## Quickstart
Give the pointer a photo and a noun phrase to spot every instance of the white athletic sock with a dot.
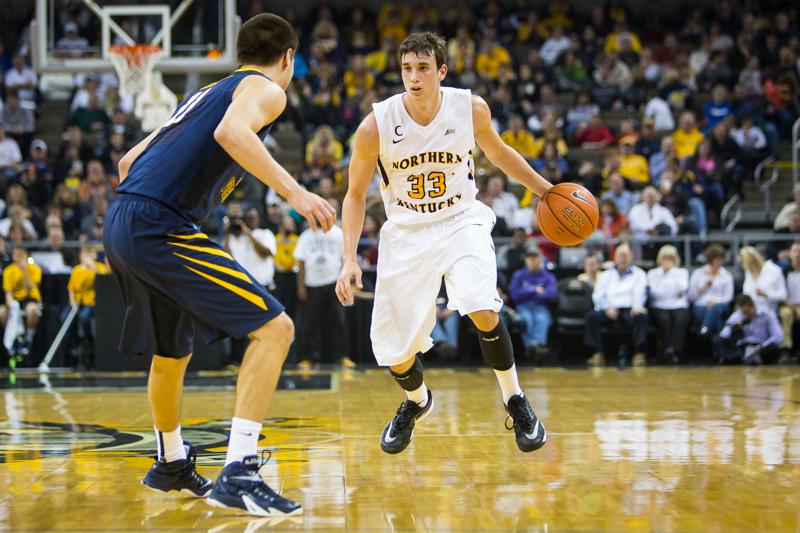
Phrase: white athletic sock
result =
(509, 384)
(419, 395)
(170, 445)
(243, 441)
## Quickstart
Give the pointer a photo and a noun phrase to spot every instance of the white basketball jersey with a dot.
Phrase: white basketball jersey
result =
(427, 171)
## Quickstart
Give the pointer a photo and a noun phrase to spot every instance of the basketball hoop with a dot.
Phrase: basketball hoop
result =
(134, 64)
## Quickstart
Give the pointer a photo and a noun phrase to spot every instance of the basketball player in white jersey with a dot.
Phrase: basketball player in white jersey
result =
(421, 142)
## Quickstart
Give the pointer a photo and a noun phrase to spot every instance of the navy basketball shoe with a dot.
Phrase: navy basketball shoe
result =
(529, 430)
(240, 486)
(398, 432)
(180, 475)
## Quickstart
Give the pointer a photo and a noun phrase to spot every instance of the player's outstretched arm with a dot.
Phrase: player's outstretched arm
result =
(363, 161)
(258, 101)
(499, 153)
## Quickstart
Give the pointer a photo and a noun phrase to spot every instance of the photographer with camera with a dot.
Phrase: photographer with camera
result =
(253, 247)
(750, 335)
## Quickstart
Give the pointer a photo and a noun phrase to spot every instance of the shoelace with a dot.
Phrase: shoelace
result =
(260, 487)
(403, 418)
(518, 415)
(191, 460)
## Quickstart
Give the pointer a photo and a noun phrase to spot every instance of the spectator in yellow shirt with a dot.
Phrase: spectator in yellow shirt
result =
(357, 79)
(519, 138)
(687, 136)
(490, 58)
(621, 40)
(286, 265)
(633, 167)
(82, 293)
(323, 149)
(21, 281)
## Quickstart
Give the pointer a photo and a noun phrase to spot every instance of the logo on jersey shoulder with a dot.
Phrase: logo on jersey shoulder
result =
(444, 158)
(577, 195)
(449, 131)
(430, 207)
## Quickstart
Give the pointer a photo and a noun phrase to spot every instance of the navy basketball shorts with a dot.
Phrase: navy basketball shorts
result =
(173, 276)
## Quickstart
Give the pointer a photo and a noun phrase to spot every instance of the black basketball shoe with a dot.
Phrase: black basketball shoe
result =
(530, 431)
(398, 432)
(240, 486)
(180, 475)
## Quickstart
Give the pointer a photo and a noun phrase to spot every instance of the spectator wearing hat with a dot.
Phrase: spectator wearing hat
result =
(22, 80)
(71, 44)
(632, 166)
(19, 122)
(532, 290)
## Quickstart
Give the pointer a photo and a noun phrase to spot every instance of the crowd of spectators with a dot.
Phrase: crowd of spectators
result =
(663, 117)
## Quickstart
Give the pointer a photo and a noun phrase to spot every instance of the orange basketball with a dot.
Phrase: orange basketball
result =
(567, 214)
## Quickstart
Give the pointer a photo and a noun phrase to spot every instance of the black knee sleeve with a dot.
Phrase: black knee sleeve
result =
(496, 347)
(411, 379)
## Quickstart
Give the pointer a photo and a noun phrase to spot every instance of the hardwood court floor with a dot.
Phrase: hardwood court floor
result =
(657, 449)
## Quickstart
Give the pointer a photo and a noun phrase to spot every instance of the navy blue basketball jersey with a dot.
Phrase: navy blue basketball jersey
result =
(183, 166)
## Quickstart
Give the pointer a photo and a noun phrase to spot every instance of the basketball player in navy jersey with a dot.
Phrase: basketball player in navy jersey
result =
(172, 275)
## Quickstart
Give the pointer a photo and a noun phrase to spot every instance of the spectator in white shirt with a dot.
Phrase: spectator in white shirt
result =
(252, 246)
(319, 257)
(711, 292)
(554, 45)
(749, 137)
(648, 217)
(658, 109)
(619, 298)
(503, 203)
(669, 306)
(790, 313)
(22, 79)
(763, 280)
(10, 156)
(782, 220)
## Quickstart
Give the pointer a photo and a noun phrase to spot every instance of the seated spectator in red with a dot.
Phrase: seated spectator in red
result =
(593, 135)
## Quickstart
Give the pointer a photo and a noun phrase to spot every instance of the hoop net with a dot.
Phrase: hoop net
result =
(134, 65)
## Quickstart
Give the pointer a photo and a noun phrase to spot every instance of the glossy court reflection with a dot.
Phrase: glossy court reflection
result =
(643, 450)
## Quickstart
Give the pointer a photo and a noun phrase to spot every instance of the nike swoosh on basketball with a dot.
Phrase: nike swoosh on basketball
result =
(576, 194)
(395, 141)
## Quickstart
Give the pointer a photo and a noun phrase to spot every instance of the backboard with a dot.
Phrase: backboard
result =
(197, 36)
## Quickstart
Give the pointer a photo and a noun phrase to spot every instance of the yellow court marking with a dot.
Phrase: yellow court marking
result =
(247, 295)
(219, 268)
(206, 249)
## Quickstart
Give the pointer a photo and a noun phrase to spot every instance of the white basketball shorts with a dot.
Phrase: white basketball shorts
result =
(411, 264)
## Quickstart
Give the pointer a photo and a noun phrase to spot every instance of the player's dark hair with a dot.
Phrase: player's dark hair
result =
(263, 40)
(744, 300)
(422, 44)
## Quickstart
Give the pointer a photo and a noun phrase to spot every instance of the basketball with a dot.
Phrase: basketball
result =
(567, 214)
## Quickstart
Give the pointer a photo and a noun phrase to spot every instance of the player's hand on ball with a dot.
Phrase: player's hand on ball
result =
(351, 272)
(316, 210)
